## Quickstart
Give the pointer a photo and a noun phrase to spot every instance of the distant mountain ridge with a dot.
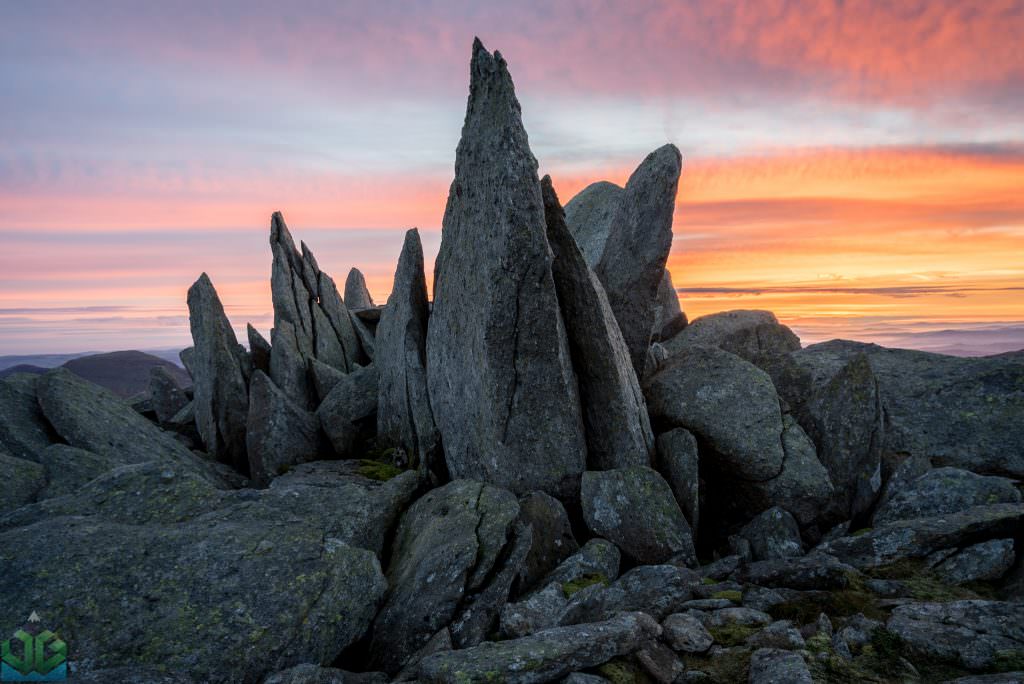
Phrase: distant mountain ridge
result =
(125, 373)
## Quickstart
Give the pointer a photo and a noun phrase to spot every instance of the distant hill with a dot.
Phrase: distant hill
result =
(125, 373)
(22, 368)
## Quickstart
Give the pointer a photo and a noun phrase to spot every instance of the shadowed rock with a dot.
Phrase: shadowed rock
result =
(289, 368)
(744, 333)
(279, 433)
(166, 396)
(679, 463)
(943, 491)
(498, 367)
(68, 469)
(22, 480)
(618, 429)
(589, 216)
(633, 262)
(348, 412)
(404, 418)
(221, 397)
(259, 349)
(669, 318)
(553, 540)
(357, 295)
(24, 432)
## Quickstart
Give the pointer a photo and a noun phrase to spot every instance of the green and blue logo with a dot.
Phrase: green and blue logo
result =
(33, 657)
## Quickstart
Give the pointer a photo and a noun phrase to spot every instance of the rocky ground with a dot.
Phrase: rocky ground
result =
(544, 474)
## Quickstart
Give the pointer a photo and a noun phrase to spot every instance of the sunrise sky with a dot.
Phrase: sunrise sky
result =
(856, 167)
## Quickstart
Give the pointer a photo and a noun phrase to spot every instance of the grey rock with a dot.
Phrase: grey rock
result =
(357, 295)
(279, 434)
(553, 540)
(943, 491)
(68, 468)
(899, 476)
(221, 396)
(814, 571)
(439, 643)
(366, 337)
(773, 534)
(721, 568)
(324, 378)
(685, 633)
(259, 349)
(348, 411)
(446, 546)
(22, 481)
(598, 557)
(544, 656)
(660, 662)
(188, 360)
(747, 334)
(678, 462)
(289, 366)
(582, 678)
(708, 604)
(669, 319)
(150, 674)
(540, 611)
(986, 561)
(404, 418)
(1000, 678)
(657, 590)
(499, 372)
(618, 430)
(634, 508)
(166, 396)
(775, 666)
(342, 321)
(972, 634)
(24, 431)
(737, 615)
(780, 634)
(920, 537)
(590, 215)
(634, 256)
(308, 673)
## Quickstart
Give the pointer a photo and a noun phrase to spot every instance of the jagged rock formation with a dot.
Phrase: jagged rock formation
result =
(498, 367)
(669, 318)
(357, 295)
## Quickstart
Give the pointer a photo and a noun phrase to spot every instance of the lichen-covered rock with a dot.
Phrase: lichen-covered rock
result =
(499, 372)
(542, 657)
(24, 431)
(777, 666)
(444, 551)
(541, 610)
(221, 395)
(987, 561)
(553, 540)
(747, 334)
(404, 418)
(814, 571)
(279, 434)
(678, 462)
(349, 410)
(943, 491)
(635, 509)
(618, 429)
(657, 590)
(21, 482)
(68, 468)
(686, 633)
(773, 534)
(976, 635)
(598, 558)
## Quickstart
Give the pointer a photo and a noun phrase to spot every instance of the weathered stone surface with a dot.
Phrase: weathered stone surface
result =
(314, 674)
(678, 462)
(635, 509)
(814, 571)
(597, 558)
(324, 378)
(541, 610)
(669, 319)
(221, 397)
(259, 349)
(21, 482)
(342, 321)
(446, 545)
(773, 534)
(276, 574)
(91, 418)
(657, 590)
(747, 334)
(404, 418)
(589, 216)
(68, 468)
(499, 372)
(289, 366)
(685, 633)
(919, 537)
(349, 409)
(544, 656)
(24, 431)
(780, 634)
(279, 434)
(357, 295)
(986, 561)
(776, 666)
(553, 540)
(618, 430)
(634, 256)
(166, 396)
(659, 662)
(943, 491)
(972, 634)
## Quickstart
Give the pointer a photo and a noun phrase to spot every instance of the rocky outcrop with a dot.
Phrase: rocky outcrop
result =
(944, 491)
(221, 395)
(499, 372)
(166, 396)
(357, 295)
(633, 261)
(747, 334)
(24, 431)
(279, 434)
(775, 666)
(21, 483)
(590, 216)
(349, 411)
(68, 468)
(259, 349)
(773, 534)
(404, 418)
(669, 318)
(618, 429)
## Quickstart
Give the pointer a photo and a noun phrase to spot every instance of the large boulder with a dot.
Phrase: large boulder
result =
(773, 534)
(658, 590)
(590, 215)
(68, 468)
(778, 666)
(977, 635)
(618, 429)
(633, 261)
(221, 395)
(987, 561)
(444, 552)
(24, 431)
(598, 558)
(499, 372)
(21, 482)
(943, 491)
(553, 540)
(349, 411)
(404, 418)
(279, 434)
(635, 508)
(746, 333)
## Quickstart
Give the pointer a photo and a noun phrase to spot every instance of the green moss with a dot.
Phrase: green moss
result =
(621, 671)
(732, 634)
(819, 643)
(1009, 661)
(861, 532)
(377, 470)
(924, 585)
(726, 667)
(732, 595)
(708, 581)
(570, 588)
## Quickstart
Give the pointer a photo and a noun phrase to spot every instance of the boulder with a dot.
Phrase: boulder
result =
(289, 366)
(634, 508)
(633, 261)
(348, 412)
(987, 561)
(685, 633)
(780, 634)
(542, 610)
(747, 334)
(618, 430)
(943, 491)
(657, 590)
(669, 319)
(976, 635)
(22, 480)
(24, 432)
(542, 657)
(279, 434)
(357, 295)
(590, 215)
(499, 372)
(404, 418)
(659, 662)
(221, 396)
(773, 534)
(68, 468)
(324, 378)
(598, 559)
(678, 462)
(817, 571)
(553, 540)
(446, 547)
(166, 396)
(777, 666)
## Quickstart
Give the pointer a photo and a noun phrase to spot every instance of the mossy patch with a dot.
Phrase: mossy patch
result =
(733, 595)
(377, 470)
(708, 581)
(732, 634)
(588, 580)
(882, 661)
(923, 584)
(1009, 661)
(727, 667)
(842, 603)
(622, 671)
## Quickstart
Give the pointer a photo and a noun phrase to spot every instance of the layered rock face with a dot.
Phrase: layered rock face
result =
(487, 490)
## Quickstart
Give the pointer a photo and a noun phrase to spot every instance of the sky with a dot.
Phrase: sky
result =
(857, 167)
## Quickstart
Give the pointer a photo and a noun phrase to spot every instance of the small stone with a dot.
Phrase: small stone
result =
(685, 633)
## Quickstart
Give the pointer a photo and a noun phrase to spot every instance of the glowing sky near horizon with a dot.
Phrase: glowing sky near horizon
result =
(856, 167)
